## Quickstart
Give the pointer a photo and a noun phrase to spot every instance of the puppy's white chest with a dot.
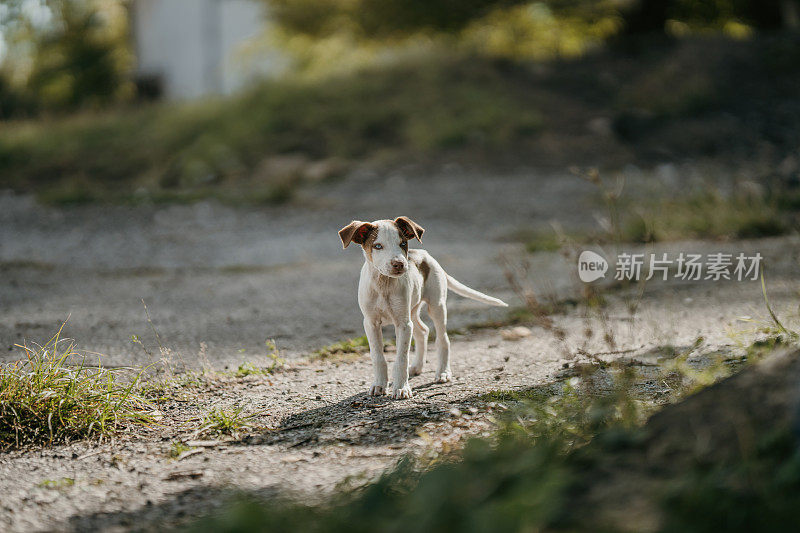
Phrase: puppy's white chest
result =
(384, 298)
(386, 302)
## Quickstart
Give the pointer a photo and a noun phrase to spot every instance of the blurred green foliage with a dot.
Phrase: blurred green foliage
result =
(701, 97)
(317, 32)
(185, 151)
(385, 19)
(709, 215)
(380, 18)
(62, 55)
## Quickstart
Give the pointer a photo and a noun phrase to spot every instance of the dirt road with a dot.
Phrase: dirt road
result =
(232, 278)
(317, 428)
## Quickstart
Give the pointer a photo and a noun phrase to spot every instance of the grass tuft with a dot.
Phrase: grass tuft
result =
(276, 362)
(177, 449)
(342, 349)
(220, 421)
(52, 396)
(57, 484)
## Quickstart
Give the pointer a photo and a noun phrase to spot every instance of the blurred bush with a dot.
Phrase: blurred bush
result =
(62, 55)
(324, 35)
(386, 19)
(253, 142)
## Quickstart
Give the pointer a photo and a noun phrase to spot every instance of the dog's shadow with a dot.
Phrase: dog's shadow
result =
(360, 419)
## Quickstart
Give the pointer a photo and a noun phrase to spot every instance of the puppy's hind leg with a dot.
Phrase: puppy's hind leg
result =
(438, 313)
(420, 342)
(375, 338)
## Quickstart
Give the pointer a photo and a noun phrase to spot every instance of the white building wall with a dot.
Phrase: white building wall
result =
(200, 47)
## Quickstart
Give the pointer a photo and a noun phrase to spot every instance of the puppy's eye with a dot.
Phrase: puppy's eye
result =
(403, 244)
(378, 247)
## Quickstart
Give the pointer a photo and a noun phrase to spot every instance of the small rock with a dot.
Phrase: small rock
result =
(204, 443)
(323, 170)
(600, 126)
(175, 476)
(789, 166)
(516, 333)
(189, 453)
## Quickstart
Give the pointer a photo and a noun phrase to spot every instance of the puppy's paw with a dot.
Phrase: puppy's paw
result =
(377, 389)
(444, 377)
(402, 392)
(414, 370)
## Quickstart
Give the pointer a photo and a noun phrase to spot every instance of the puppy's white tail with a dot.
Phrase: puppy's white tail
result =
(459, 288)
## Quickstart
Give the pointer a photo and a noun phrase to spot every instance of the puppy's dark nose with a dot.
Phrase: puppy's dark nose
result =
(397, 265)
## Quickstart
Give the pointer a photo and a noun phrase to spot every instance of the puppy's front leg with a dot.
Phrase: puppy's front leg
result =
(400, 387)
(375, 338)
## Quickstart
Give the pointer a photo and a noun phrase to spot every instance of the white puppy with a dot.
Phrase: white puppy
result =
(394, 283)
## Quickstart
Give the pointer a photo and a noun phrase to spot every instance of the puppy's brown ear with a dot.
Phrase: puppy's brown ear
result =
(356, 232)
(409, 229)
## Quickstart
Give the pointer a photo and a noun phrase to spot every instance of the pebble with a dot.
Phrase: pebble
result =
(515, 333)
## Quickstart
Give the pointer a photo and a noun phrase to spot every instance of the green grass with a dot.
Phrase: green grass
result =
(249, 369)
(342, 349)
(177, 448)
(538, 241)
(57, 484)
(218, 147)
(52, 396)
(276, 362)
(706, 215)
(222, 421)
(536, 394)
(758, 493)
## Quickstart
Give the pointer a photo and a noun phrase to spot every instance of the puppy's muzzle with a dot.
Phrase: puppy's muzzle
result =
(398, 266)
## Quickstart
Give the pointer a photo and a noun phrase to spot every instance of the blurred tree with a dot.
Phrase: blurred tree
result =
(378, 19)
(78, 63)
(63, 55)
(381, 19)
(648, 16)
(323, 35)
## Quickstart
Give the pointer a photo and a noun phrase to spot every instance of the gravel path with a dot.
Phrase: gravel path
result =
(316, 429)
(232, 278)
